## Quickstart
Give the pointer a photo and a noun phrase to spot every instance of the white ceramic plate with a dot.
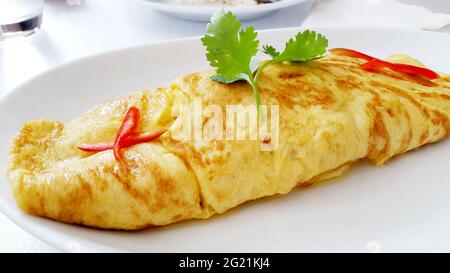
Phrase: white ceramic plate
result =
(204, 13)
(403, 206)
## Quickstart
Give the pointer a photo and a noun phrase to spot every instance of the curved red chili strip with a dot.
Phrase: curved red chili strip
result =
(133, 139)
(128, 125)
(351, 53)
(143, 137)
(374, 64)
(125, 137)
(415, 70)
(97, 147)
(377, 65)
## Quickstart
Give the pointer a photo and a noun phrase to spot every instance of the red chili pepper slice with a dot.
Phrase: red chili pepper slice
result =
(351, 53)
(377, 65)
(374, 64)
(132, 140)
(128, 125)
(97, 147)
(125, 137)
(415, 70)
(143, 137)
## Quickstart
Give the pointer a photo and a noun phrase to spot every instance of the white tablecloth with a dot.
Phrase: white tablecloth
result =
(70, 32)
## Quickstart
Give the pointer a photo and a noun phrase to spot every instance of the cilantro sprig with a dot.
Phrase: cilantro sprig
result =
(305, 46)
(232, 50)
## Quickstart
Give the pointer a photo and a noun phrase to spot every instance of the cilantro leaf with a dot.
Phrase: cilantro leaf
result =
(229, 49)
(271, 51)
(306, 46)
(224, 79)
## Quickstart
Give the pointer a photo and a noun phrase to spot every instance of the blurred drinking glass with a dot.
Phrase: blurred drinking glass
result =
(20, 18)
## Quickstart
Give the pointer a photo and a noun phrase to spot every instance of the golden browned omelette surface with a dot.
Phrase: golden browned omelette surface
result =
(332, 113)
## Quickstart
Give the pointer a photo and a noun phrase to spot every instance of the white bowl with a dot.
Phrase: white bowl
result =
(204, 13)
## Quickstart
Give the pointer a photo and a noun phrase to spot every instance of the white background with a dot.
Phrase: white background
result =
(70, 32)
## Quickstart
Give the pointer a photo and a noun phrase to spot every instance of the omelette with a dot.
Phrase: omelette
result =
(332, 113)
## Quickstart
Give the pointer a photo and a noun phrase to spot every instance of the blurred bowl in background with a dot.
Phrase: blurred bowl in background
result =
(20, 18)
(203, 13)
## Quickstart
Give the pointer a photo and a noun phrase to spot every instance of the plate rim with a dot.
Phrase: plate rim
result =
(32, 228)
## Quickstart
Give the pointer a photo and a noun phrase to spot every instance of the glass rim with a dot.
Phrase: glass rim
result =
(37, 10)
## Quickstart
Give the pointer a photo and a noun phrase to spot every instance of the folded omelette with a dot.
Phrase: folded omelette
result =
(331, 114)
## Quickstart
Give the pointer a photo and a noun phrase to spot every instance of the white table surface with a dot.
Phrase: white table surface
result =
(71, 31)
